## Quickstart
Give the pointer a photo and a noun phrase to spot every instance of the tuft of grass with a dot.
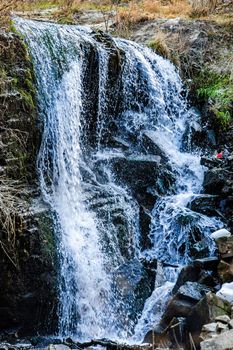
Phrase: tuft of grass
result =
(158, 44)
(218, 90)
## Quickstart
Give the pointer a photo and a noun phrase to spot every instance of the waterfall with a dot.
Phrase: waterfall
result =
(115, 170)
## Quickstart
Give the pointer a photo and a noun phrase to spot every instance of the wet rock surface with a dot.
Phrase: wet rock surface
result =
(27, 248)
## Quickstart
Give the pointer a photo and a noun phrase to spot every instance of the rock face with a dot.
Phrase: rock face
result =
(214, 180)
(134, 284)
(205, 312)
(28, 295)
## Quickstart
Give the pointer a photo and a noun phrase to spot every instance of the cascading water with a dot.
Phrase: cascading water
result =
(114, 122)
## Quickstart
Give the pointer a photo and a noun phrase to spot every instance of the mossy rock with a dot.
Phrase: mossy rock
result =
(218, 90)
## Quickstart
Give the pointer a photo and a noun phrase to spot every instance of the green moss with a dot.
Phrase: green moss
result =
(46, 225)
(217, 89)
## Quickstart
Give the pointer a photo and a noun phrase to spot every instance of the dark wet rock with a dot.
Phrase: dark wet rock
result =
(177, 308)
(145, 222)
(207, 205)
(211, 162)
(209, 278)
(139, 172)
(169, 335)
(134, 286)
(183, 302)
(145, 176)
(209, 263)
(90, 78)
(201, 249)
(215, 180)
(28, 295)
(188, 273)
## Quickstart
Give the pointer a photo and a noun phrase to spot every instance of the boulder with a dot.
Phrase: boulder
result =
(201, 248)
(214, 180)
(208, 278)
(188, 273)
(205, 204)
(144, 174)
(210, 327)
(222, 327)
(222, 341)
(137, 171)
(177, 308)
(183, 301)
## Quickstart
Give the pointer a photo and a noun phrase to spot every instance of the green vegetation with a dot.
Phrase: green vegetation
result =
(218, 90)
(158, 44)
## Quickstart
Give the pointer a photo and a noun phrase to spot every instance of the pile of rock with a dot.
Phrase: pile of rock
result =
(218, 335)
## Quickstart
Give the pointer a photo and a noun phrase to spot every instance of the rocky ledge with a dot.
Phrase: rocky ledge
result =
(27, 246)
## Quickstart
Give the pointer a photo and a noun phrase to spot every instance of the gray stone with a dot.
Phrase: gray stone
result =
(210, 327)
(221, 342)
(207, 335)
(223, 318)
(231, 324)
(58, 347)
(222, 327)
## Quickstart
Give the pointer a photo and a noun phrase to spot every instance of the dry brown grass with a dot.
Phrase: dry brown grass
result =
(11, 193)
(128, 12)
(169, 9)
(132, 14)
(138, 12)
